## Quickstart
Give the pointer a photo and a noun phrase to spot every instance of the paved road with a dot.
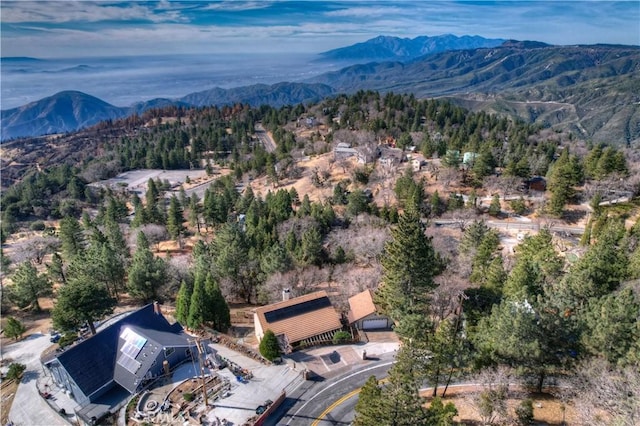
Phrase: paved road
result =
(310, 400)
(524, 226)
(263, 136)
(28, 408)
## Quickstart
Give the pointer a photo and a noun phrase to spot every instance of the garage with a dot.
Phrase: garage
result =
(370, 324)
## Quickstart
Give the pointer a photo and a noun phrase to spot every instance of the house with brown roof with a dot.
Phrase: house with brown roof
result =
(310, 318)
(363, 313)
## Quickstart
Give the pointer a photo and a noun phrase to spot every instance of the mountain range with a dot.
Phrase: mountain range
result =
(387, 48)
(592, 90)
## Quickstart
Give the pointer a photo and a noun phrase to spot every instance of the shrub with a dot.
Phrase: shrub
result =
(67, 339)
(361, 175)
(518, 206)
(341, 337)
(269, 346)
(524, 412)
(38, 225)
(188, 396)
(15, 371)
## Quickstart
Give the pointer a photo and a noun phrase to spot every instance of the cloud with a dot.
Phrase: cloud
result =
(234, 6)
(98, 28)
(84, 11)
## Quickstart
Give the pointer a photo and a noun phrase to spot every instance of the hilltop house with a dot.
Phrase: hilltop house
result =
(363, 313)
(310, 318)
(344, 150)
(101, 372)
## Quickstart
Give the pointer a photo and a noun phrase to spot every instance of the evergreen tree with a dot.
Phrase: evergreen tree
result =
(175, 219)
(147, 273)
(28, 286)
(183, 300)
(81, 301)
(311, 247)
(409, 265)
(269, 346)
(440, 414)
(369, 405)
(563, 176)
(305, 207)
(71, 236)
(402, 403)
(275, 259)
(152, 208)
(116, 240)
(13, 329)
(357, 202)
(612, 325)
(195, 211)
(524, 335)
(494, 207)
(55, 269)
(197, 304)
(216, 309)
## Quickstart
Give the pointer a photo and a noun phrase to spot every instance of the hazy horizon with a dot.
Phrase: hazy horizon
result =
(123, 81)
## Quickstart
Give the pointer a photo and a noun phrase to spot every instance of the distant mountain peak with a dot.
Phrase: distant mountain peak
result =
(62, 112)
(525, 44)
(389, 48)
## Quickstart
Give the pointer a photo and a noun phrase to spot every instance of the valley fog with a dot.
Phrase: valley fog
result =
(122, 81)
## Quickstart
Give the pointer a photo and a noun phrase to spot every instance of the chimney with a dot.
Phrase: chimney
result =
(286, 294)
(156, 308)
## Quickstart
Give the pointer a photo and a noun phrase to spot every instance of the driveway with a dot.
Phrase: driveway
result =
(28, 407)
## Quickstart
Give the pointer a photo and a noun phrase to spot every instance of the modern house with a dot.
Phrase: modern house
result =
(363, 313)
(101, 372)
(310, 318)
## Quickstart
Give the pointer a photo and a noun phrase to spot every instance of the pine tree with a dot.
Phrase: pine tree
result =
(409, 265)
(402, 403)
(28, 286)
(13, 328)
(197, 303)
(369, 405)
(175, 219)
(612, 325)
(183, 300)
(494, 207)
(311, 247)
(55, 269)
(147, 273)
(71, 237)
(216, 309)
(116, 239)
(81, 301)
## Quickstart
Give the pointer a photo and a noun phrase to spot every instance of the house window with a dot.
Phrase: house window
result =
(168, 351)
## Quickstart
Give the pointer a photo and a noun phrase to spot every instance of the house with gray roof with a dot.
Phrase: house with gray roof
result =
(101, 372)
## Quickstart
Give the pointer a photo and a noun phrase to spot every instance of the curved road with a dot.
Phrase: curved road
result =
(316, 399)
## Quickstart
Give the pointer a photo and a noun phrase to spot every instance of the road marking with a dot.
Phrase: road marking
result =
(330, 408)
(335, 383)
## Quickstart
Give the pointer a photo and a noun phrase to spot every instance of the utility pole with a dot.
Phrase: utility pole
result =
(201, 362)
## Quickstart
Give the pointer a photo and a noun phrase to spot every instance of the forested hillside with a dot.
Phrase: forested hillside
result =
(403, 196)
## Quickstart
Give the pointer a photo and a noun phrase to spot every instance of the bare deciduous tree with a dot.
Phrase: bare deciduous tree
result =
(603, 394)
(364, 241)
(490, 401)
(154, 233)
(34, 249)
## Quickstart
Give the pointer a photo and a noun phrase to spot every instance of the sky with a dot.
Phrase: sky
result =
(69, 28)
